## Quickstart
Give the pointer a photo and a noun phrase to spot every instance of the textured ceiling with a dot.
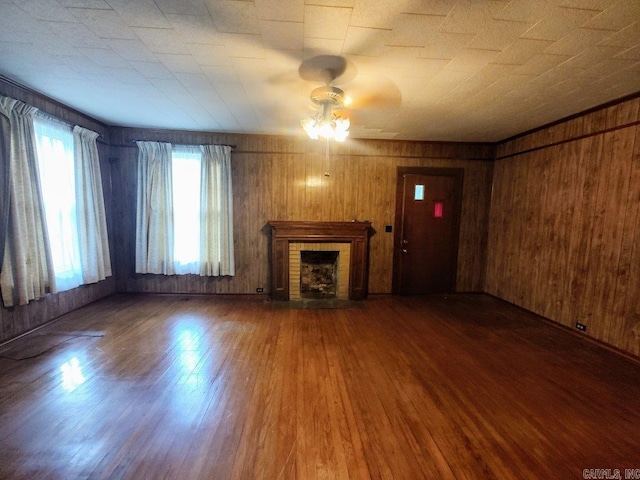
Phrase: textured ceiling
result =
(467, 70)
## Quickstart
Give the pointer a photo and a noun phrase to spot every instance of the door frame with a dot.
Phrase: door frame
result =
(458, 175)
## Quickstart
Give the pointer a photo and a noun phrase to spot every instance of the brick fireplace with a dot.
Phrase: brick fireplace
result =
(349, 239)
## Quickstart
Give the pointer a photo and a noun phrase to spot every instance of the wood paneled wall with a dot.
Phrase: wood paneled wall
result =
(564, 234)
(290, 178)
(20, 319)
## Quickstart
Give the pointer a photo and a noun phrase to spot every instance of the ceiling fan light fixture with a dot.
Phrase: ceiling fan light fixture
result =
(326, 124)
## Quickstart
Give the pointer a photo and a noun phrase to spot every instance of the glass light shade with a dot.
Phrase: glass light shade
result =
(309, 126)
(342, 129)
(329, 127)
(326, 130)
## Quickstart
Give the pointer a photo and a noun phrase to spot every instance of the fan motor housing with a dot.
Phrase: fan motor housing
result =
(327, 95)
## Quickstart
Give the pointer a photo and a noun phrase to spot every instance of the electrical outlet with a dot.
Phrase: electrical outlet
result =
(581, 326)
(259, 290)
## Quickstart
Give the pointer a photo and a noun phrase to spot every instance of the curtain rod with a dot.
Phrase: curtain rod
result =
(233, 147)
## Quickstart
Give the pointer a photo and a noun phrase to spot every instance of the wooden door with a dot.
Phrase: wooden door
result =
(427, 225)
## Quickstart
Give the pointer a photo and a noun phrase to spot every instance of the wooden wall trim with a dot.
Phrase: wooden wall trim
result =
(622, 113)
(572, 139)
(238, 151)
(583, 113)
(278, 145)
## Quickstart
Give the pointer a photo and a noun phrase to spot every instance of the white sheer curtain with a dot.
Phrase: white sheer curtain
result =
(27, 269)
(5, 178)
(55, 149)
(92, 224)
(216, 231)
(154, 219)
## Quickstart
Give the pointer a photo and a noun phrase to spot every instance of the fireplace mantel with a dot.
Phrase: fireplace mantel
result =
(355, 233)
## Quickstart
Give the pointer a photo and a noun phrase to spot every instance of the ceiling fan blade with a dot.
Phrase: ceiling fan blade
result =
(373, 93)
(287, 78)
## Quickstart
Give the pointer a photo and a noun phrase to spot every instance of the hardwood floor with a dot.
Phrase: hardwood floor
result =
(465, 386)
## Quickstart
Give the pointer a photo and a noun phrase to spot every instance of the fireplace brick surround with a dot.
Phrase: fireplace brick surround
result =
(308, 235)
(295, 248)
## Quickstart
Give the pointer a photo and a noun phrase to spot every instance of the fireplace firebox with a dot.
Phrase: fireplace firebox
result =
(318, 273)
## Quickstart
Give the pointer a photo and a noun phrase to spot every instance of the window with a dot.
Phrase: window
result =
(55, 152)
(58, 240)
(184, 211)
(185, 170)
(71, 188)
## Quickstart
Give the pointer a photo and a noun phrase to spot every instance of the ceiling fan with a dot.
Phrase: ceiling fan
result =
(328, 122)
(332, 121)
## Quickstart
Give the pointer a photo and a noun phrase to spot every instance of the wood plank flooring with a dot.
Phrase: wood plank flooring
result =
(455, 387)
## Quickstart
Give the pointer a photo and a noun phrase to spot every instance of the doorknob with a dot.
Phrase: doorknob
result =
(405, 251)
(405, 242)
